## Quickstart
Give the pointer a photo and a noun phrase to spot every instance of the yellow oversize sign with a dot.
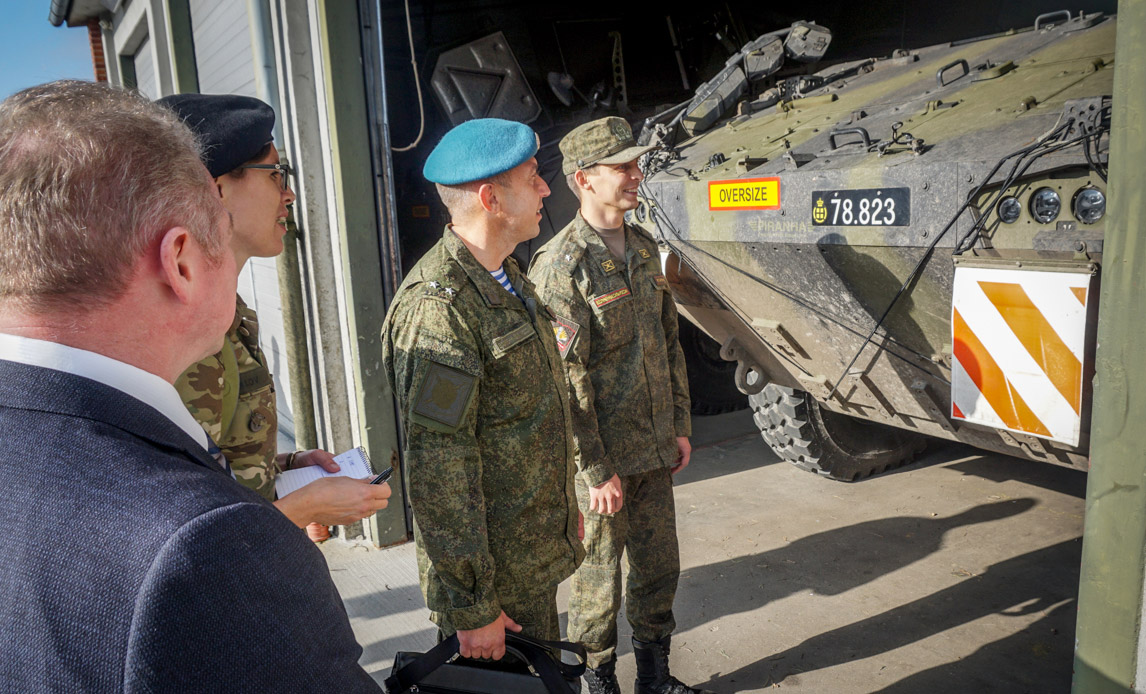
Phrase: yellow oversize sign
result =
(744, 194)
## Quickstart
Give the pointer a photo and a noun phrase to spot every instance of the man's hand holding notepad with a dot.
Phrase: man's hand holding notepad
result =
(353, 463)
(311, 494)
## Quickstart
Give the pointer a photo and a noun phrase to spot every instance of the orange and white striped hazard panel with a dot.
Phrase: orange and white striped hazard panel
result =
(1019, 338)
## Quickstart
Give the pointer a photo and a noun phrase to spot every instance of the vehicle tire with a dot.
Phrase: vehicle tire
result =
(834, 445)
(711, 380)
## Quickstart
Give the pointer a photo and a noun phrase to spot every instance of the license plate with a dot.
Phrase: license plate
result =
(866, 207)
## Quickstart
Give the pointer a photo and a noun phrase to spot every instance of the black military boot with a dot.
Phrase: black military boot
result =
(603, 679)
(653, 670)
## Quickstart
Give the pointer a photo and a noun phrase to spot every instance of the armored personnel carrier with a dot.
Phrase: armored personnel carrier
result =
(898, 248)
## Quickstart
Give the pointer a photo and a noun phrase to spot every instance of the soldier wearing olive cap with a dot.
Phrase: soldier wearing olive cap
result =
(616, 327)
(472, 359)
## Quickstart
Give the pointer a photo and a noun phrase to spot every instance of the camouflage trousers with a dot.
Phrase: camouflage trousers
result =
(645, 529)
(536, 613)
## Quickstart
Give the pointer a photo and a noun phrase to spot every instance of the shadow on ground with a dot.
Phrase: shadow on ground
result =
(385, 602)
(1015, 587)
(835, 561)
(388, 602)
(1007, 665)
(1055, 478)
(734, 445)
(725, 445)
(383, 651)
(969, 460)
(826, 563)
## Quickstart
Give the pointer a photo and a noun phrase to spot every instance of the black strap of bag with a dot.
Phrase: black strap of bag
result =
(535, 653)
(542, 652)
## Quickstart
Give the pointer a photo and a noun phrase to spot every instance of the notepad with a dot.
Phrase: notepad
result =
(353, 463)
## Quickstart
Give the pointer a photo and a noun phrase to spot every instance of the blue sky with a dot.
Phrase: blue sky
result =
(32, 51)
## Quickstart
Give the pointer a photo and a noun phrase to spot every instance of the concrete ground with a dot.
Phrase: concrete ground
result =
(956, 574)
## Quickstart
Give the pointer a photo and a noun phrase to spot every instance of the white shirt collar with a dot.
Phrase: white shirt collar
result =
(131, 380)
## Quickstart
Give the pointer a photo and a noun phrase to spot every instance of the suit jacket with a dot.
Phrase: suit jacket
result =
(130, 561)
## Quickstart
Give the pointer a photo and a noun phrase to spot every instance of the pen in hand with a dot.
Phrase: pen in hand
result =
(382, 476)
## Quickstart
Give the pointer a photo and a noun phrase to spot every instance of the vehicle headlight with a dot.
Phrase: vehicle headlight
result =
(1045, 205)
(1089, 205)
(1009, 209)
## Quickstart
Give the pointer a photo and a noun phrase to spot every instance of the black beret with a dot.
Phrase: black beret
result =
(233, 129)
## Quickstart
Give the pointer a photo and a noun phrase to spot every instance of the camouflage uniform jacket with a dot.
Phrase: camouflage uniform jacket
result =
(488, 439)
(231, 394)
(616, 327)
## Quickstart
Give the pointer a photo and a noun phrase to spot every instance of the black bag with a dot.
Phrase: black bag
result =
(529, 667)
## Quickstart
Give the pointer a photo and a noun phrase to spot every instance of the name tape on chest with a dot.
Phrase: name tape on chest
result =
(513, 338)
(255, 379)
(606, 299)
(661, 282)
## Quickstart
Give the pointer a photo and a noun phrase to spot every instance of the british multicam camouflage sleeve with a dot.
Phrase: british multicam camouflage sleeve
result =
(201, 388)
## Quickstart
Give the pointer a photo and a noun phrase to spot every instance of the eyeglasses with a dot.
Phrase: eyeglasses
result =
(282, 172)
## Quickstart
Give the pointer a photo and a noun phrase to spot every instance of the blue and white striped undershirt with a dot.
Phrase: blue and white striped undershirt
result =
(499, 275)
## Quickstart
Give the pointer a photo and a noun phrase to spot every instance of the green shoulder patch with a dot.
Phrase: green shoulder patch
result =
(443, 397)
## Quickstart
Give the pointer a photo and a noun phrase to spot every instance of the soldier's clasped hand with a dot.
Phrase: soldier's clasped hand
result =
(488, 641)
(607, 497)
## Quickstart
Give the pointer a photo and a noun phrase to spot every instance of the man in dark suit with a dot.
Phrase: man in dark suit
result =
(130, 558)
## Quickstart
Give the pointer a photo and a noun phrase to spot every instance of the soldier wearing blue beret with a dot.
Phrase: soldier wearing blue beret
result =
(231, 393)
(471, 356)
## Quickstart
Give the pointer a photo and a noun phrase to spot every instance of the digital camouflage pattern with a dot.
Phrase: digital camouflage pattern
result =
(621, 351)
(488, 440)
(232, 396)
(646, 526)
(617, 326)
(537, 613)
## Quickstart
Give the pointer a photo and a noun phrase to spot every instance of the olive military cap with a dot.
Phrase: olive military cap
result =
(603, 141)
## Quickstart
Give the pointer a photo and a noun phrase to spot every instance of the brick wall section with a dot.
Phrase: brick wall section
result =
(95, 38)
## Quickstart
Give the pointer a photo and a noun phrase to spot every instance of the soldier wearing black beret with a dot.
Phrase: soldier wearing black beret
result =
(231, 393)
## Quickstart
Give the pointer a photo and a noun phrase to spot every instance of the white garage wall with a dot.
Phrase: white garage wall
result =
(222, 37)
(145, 74)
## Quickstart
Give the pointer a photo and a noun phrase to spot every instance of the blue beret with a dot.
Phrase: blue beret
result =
(232, 129)
(478, 149)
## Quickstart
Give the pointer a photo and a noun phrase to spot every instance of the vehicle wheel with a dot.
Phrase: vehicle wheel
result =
(834, 445)
(711, 380)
